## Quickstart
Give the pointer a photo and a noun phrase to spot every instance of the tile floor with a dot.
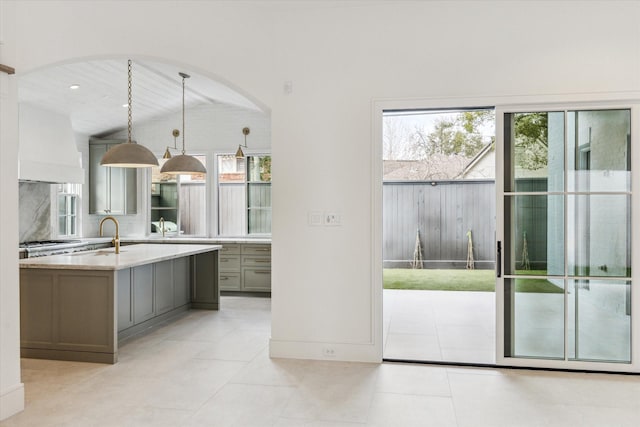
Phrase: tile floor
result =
(460, 326)
(212, 369)
(439, 326)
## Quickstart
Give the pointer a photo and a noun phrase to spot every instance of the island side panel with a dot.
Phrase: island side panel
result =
(36, 308)
(68, 315)
(205, 293)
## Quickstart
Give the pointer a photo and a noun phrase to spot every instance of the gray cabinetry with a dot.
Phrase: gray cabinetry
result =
(125, 297)
(205, 292)
(67, 315)
(181, 290)
(164, 204)
(78, 314)
(143, 298)
(229, 262)
(245, 267)
(111, 190)
(163, 280)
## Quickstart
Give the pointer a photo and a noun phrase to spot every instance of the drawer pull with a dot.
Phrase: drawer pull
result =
(262, 260)
(262, 271)
(224, 278)
(263, 250)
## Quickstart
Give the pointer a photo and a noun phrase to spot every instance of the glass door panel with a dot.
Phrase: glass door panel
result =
(599, 235)
(567, 235)
(599, 321)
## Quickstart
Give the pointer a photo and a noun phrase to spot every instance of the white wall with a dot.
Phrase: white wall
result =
(11, 387)
(339, 58)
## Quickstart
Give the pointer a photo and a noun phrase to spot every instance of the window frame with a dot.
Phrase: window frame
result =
(246, 184)
(72, 195)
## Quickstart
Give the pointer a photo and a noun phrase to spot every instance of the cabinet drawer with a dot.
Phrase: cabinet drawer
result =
(229, 281)
(257, 279)
(264, 250)
(231, 249)
(229, 262)
(256, 261)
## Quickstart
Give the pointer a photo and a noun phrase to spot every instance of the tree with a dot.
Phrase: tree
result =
(395, 139)
(458, 134)
(531, 140)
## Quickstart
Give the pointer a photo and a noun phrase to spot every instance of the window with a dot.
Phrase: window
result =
(439, 145)
(178, 202)
(244, 195)
(68, 195)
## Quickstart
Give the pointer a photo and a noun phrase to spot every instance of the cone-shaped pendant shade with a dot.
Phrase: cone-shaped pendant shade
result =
(183, 164)
(239, 153)
(167, 154)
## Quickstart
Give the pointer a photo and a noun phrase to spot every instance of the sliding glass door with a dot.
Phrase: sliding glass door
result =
(565, 238)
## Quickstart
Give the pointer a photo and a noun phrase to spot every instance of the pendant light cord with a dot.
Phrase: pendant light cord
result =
(129, 101)
(183, 77)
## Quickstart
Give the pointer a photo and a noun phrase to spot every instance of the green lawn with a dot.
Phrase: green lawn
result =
(458, 280)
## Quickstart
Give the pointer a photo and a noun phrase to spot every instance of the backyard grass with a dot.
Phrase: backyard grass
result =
(457, 280)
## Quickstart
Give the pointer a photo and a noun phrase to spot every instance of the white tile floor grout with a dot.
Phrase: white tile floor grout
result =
(212, 369)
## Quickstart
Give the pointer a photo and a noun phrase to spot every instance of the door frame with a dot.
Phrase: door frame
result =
(501, 360)
(502, 104)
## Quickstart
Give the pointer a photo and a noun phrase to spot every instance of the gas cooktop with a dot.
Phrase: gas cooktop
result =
(40, 243)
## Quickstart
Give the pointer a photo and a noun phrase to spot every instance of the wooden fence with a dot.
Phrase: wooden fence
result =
(443, 212)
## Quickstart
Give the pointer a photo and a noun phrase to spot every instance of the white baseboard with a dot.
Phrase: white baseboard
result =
(11, 401)
(324, 351)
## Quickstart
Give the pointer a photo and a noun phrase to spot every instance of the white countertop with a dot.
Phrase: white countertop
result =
(198, 240)
(107, 259)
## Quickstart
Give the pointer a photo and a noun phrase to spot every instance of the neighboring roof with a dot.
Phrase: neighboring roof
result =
(489, 148)
(437, 167)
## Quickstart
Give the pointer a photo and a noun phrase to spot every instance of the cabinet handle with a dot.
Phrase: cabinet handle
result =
(262, 260)
(262, 250)
(224, 278)
(262, 271)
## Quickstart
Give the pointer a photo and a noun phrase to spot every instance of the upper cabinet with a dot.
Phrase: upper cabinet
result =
(112, 191)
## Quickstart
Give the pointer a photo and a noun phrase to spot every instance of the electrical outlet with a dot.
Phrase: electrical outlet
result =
(328, 352)
(331, 218)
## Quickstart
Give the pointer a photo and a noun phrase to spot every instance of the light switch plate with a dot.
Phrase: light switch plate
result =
(316, 218)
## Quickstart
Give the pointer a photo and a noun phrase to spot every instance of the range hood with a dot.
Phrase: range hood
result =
(47, 147)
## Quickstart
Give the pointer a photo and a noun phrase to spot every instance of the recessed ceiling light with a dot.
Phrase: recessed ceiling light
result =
(74, 87)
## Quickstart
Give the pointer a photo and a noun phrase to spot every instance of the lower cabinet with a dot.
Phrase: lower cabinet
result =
(182, 281)
(205, 292)
(163, 279)
(125, 296)
(143, 301)
(245, 267)
(150, 290)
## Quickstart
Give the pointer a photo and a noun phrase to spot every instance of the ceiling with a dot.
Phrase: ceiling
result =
(96, 107)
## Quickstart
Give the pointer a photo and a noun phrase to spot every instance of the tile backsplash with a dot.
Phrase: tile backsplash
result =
(35, 211)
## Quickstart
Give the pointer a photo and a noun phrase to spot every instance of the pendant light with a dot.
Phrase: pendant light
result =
(182, 163)
(239, 153)
(129, 154)
(167, 152)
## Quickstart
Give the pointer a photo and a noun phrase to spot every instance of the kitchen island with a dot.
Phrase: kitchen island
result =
(77, 306)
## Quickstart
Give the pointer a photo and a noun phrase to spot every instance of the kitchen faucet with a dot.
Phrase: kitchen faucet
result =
(162, 226)
(116, 239)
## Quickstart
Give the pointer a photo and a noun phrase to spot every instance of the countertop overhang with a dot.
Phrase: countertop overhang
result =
(107, 259)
